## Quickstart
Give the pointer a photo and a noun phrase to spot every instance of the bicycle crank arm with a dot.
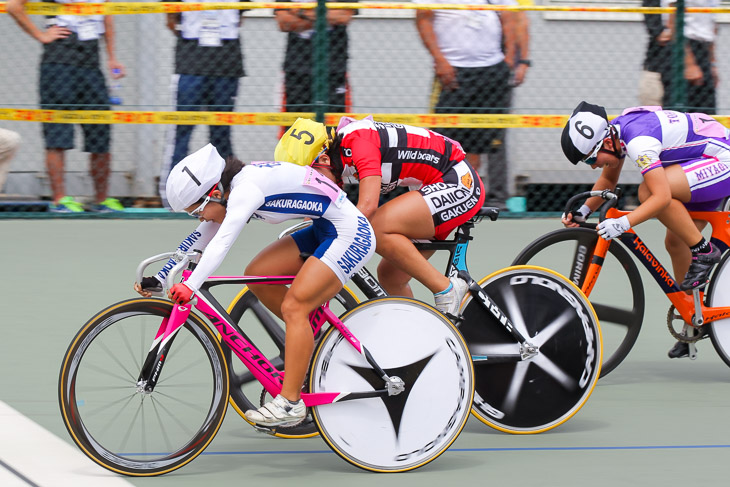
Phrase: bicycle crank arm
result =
(349, 396)
(697, 320)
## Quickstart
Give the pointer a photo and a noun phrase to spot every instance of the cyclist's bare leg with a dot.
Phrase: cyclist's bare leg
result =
(675, 216)
(280, 258)
(394, 280)
(679, 252)
(315, 284)
(396, 223)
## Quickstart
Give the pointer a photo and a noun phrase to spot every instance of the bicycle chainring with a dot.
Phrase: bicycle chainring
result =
(700, 332)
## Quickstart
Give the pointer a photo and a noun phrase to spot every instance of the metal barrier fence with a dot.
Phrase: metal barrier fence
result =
(583, 50)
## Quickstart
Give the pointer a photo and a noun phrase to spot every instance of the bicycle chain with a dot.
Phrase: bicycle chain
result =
(671, 316)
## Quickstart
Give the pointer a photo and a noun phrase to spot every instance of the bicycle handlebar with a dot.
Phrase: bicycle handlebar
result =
(611, 198)
(182, 259)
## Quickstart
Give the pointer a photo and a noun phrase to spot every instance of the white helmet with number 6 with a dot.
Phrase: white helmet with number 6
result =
(584, 133)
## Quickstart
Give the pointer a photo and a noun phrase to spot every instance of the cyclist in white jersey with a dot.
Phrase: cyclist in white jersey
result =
(225, 195)
(684, 159)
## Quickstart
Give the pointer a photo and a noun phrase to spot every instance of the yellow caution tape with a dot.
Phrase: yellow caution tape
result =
(286, 118)
(128, 8)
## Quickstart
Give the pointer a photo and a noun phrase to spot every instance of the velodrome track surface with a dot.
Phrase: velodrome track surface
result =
(652, 421)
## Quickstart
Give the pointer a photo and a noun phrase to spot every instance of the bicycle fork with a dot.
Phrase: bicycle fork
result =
(152, 367)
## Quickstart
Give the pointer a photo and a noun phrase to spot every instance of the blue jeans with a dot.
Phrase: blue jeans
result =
(199, 93)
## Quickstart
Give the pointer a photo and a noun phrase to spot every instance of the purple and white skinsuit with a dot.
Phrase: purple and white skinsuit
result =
(652, 138)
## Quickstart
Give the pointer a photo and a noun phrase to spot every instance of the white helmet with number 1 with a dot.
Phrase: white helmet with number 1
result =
(193, 177)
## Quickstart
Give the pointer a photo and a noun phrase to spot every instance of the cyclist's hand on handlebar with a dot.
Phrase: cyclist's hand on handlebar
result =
(180, 293)
(576, 217)
(148, 286)
(613, 227)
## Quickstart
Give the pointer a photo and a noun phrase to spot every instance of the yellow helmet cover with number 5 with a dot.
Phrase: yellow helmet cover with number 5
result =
(302, 143)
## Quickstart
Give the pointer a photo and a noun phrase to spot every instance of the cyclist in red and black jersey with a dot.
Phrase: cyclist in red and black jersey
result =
(445, 192)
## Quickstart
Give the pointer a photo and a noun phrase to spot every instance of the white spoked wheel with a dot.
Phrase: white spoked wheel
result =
(718, 295)
(414, 342)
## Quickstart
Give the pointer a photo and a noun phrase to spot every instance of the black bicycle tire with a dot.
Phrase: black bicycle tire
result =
(454, 423)
(69, 408)
(632, 318)
(722, 351)
(243, 302)
(550, 387)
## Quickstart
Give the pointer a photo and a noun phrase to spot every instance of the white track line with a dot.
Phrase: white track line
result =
(33, 456)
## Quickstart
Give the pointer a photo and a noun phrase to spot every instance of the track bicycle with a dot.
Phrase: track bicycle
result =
(608, 275)
(144, 385)
(534, 339)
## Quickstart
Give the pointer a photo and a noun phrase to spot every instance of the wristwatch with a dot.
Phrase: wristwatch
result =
(526, 62)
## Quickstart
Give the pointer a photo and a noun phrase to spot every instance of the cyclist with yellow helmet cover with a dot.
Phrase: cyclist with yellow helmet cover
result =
(445, 192)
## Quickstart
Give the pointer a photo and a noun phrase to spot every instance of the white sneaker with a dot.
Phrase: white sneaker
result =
(278, 412)
(448, 302)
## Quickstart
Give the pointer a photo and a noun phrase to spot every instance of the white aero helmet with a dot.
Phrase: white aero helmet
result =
(584, 132)
(193, 177)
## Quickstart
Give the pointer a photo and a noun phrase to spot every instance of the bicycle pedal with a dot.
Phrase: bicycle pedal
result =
(265, 430)
(456, 320)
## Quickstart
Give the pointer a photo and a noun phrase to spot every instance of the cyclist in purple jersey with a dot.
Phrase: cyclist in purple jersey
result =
(684, 159)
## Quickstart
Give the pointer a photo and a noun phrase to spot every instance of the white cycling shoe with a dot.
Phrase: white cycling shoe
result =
(278, 412)
(448, 301)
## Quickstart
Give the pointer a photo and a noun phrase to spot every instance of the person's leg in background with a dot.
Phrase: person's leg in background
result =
(189, 95)
(9, 142)
(338, 93)
(702, 97)
(298, 92)
(185, 93)
(97, 140)
(221, 92)
(498, 99)
(56, 85)
(460, 100)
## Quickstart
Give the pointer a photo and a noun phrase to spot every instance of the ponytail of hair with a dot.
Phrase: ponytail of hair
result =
(233, 167)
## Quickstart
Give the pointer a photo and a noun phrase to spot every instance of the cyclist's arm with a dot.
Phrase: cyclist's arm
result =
(197, 240)
(659, 198)
(369, 195)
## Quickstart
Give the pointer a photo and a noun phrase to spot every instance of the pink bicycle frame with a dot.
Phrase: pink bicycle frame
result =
(269, 377)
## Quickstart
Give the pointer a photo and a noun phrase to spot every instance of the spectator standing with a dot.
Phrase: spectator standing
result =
(71, 78)
(9, 142)
(478, 57)
(299, 59)
(700, 73)
(208, 65)
(657, 61)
